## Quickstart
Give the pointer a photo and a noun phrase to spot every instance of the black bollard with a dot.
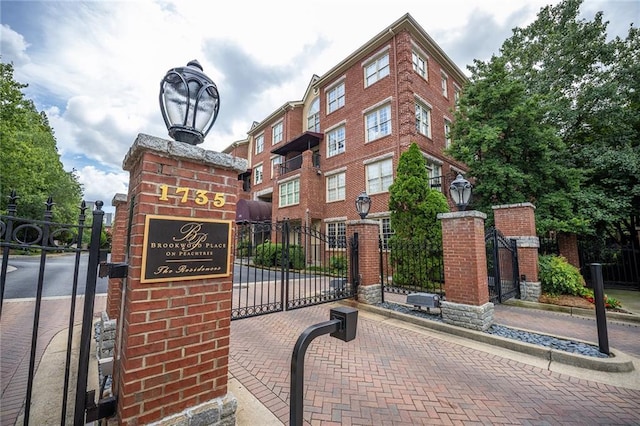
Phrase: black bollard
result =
(601, 310)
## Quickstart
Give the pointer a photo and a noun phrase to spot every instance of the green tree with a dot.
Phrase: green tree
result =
(416, 245)
(30, 161)
(572, 95)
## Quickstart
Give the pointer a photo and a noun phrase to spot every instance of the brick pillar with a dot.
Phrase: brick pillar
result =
(118, 252)
(370, 287)
(172, 357)
(518, 221)
(568, 248)
(465, 271)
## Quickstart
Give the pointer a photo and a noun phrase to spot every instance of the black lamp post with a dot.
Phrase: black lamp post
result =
(363, 204)
(460, 190)
(189, 101)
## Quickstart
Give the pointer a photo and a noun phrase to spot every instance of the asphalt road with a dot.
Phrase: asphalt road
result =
(22, 282)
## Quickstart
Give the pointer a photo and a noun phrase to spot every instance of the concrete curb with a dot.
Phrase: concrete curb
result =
(617, 363)
(618, 316)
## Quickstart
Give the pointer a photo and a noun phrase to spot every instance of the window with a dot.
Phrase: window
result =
(336, 187)
(337, 235)
(335, 141)
(313, 117)
(379, 176)
(435, 176)
(419, 64)
(376, 70)
(447, 133)
(277, 133)
(445, 80)
(423, 119)
(257, 174)
(456, 95)
(259, 144)
(385, 231)
(275, 165)
(378, 123)
(335, 98)
(289, 193)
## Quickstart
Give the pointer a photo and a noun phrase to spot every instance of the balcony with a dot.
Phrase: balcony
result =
(295, 163)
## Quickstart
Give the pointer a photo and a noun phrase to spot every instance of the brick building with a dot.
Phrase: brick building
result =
(311, 158)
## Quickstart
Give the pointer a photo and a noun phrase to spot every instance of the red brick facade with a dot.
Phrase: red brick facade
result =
(118, 253)
(400, 90)
(465, 258)
(518, 221)
(175, 335)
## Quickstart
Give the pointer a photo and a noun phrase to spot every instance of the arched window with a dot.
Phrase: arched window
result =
(313, 117)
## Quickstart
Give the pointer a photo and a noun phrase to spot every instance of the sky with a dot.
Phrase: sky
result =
(94, 67)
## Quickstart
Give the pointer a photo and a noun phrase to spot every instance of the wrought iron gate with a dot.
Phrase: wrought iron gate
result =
(285, 265)
(43, 238)
(502, 266)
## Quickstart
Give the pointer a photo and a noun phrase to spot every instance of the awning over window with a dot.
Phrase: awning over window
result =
(300, 143)
(253, 211)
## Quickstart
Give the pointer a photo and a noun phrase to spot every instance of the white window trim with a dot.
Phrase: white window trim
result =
(326, 228)
(366, 169)
(331, 86)
(326, 132)
(432, 159)
(335, 175)
(281, 123)
(377, 105)
(374, 110)
(335, 171)
(261, 166)
(429, 133)
(280, 184)
(445, 89)
(271, 163)
(255, 150)
(335, 86)
(424, 102)
(375, 58)
(378, 158)
(336, 219)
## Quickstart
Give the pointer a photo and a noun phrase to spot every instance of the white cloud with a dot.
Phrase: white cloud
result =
(95, 67)
(97, 183)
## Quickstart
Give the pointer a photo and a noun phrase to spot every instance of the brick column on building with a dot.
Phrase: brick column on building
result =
(173, 343)
(118, 253)
(568, 248)
(518, 221)
(465, 271)
(370, 287)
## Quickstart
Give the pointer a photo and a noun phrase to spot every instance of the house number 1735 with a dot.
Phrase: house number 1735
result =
(200, 196)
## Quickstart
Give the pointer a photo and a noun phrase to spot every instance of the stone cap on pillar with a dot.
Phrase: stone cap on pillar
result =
(458, 215)
(362, 222)
(181, 150)
(511, 206)
(119, 199)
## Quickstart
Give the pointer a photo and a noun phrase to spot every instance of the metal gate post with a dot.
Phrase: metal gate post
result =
(284, 267)
(8, 231)
(496, 264)
(87, 323)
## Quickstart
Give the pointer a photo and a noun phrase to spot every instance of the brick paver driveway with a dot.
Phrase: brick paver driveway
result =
(392, 375)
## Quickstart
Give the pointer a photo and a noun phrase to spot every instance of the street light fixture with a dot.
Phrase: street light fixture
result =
(189, 101)
(363, 204)
(460, 191)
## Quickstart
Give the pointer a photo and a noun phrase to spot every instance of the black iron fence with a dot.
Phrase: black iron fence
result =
(411, 265)
(282, 266)
(502, 266)
(42, 238)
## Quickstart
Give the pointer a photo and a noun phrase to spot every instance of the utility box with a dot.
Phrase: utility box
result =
(349, 319)
(424, 300)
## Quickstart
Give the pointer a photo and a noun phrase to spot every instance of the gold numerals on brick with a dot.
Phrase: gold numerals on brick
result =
(200, 196)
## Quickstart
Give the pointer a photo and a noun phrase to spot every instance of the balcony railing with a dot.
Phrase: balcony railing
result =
(295, 163)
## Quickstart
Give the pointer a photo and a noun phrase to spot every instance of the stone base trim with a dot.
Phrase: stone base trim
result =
(468, 316)
(530, 291)
(370, 294)
(217, 412)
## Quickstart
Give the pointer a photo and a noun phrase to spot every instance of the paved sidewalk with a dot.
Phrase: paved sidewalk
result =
(396, 373)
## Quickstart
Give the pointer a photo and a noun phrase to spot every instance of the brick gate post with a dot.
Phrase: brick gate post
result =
(518, 221)
(370, 287)
(118, 251)
(172, 356)
(568, 248)
(465, 271)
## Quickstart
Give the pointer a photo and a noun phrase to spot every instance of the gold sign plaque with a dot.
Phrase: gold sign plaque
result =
(178, 249)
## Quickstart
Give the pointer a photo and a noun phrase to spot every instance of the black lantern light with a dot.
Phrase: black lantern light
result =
(363, 204)
(189, 102)
(460, 191)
